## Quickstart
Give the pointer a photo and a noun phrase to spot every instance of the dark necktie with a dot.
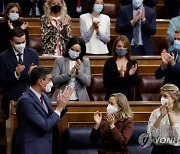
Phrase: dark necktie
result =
(20, 59)
(136, 33)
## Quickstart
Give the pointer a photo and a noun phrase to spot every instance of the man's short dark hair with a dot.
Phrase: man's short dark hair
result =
(17, 32)
(38, 73)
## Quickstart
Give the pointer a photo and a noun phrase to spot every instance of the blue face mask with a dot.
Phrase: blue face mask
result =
(176, 44)
(98, 8)
(137, 3)
(73, 54)
(121, 52)
(13, 16)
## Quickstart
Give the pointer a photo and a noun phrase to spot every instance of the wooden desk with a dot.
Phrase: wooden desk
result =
(80, 114)
(147, 64)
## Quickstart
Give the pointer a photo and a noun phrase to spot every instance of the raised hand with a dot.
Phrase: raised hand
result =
(163, 110)
(111, 120)
(133, 69)
(19, 69)
(24, 25)
(164, 58)
(10, 25)
(63, 98)
(97, 117)
(32, 66)
(78, 65)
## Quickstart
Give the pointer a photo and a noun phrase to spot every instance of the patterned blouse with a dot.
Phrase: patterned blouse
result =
(165, 134)
(51, 35)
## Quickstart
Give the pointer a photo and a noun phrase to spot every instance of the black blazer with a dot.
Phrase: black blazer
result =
(171, 74)
(116, 84)
(13, 88)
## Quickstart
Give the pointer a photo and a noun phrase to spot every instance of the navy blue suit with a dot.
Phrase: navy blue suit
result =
(12, 87)
(123, 25)
(171, 74)
(35, 125)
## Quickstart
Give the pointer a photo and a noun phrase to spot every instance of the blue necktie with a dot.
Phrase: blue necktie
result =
(136, 33)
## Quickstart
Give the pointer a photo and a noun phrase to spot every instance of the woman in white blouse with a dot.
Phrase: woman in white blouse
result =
(164, 122)
(95, 28)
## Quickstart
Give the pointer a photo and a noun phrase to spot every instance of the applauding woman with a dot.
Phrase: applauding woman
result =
(164, 122)
(115, 129)
(120, 73)
(73, 69)
(55, 27)
(10, 20)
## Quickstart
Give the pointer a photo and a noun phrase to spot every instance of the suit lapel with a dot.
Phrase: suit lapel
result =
(37, 101)
(66, 63)
(12, 56)
(47, 102)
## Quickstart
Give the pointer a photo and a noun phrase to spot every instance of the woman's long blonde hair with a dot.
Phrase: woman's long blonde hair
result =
(122, 102)
(47, 9)
(173, 90)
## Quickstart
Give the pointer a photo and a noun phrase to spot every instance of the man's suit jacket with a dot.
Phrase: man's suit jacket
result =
(35, 125)
(171, 74)
(60, 76)
(123, 25)
(13, 88)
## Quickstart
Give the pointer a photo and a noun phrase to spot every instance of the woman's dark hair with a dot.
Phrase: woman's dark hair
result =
(6, 11)
(90, 5)
(126, 43)
(38, 73)
(76, 40)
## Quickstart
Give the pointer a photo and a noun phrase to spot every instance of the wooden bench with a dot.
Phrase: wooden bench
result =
(80, 114)
(147, 64)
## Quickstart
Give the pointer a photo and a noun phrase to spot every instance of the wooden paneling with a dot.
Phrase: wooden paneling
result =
(80, 114)
(146, 64)
(34, 27)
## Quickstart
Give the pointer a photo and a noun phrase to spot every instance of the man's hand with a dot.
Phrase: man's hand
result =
(63, 98)
(19, 69)
(136, 18)
(32, 66)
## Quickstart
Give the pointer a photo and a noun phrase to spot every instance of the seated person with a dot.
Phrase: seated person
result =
(164, 122)
(173, 26)
(115, 129)
(120, 73)
(95, 28)
(55, 27)
(73, 69)
(10, 20)
(170, 65)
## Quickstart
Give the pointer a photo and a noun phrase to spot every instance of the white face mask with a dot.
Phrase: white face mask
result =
(164, 100)
(111, 109)
(13, 16)
(19, 47)
(49, 87)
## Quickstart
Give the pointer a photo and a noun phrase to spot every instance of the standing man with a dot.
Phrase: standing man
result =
(170, 65)
(138, 23)
(35, 115)
(15, 65)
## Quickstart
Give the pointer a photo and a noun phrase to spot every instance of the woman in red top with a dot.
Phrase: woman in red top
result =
(115, 129)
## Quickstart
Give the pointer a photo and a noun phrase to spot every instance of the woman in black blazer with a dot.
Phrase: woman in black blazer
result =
(120, 72)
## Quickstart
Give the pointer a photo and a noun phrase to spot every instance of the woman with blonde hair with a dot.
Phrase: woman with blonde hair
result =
(115, 129)
(55, 27)
(164, 122)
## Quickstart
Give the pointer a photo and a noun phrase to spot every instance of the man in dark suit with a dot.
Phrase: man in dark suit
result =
(15, 65)
(137, 22)
(31, 8)
(170, 65)
(35, 115)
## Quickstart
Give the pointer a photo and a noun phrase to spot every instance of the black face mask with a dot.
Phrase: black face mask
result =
(56, 9)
